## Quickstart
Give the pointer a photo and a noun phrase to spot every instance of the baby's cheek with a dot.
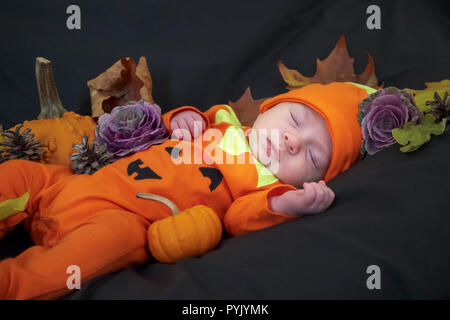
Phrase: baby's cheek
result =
(292, 175)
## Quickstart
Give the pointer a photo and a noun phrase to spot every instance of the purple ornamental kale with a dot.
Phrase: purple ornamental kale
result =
(131, 128)
(383, 111)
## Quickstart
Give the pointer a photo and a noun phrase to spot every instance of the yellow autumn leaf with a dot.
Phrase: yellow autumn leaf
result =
(427, 94)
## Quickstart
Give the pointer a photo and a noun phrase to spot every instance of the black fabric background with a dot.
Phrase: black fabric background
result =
(391, 209)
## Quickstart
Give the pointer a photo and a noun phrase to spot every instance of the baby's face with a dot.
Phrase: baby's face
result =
(293, 142)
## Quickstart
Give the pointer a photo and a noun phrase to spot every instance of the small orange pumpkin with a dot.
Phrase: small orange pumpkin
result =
(56, 128)
(188, 233)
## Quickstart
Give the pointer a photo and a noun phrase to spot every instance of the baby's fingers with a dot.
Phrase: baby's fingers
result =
(329, 194)
(197, 125)
(309, 195)
(199, 121)
(317, 196)
(181, 129)
(189, 124)
(322, 197)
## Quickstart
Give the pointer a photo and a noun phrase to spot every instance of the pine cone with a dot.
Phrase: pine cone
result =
(90, 158)
(2, 139)
(20, 145)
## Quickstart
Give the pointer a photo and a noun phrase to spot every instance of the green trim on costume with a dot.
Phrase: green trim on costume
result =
(368, 89)
(235, 143)
(265, 177)
(13, 206)
(228, 117)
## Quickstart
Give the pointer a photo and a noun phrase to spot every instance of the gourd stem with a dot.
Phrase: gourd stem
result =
(150, 196)
(51, 105)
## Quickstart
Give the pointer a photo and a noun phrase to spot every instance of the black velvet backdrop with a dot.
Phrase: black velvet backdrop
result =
(390, 210)
(206, 52)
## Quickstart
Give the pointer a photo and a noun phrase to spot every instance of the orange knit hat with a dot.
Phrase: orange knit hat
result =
(338, 103)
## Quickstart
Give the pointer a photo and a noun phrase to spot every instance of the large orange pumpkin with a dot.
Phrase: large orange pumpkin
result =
(188, 233)
(56, 128)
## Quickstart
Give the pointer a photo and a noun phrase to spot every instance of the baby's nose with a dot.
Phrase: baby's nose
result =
(292, 142)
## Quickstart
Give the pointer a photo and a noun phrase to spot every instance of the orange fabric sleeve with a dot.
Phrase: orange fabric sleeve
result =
(208, 116)
(168, 116)
(251, 212)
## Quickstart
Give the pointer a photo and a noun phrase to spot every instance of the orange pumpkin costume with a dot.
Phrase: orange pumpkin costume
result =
(97, 223)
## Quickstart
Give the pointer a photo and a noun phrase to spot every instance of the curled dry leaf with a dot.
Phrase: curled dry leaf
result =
(246, 108)
(338, 66)
(124, 81)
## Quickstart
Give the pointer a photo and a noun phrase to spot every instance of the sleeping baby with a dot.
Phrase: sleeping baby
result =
(252, 177)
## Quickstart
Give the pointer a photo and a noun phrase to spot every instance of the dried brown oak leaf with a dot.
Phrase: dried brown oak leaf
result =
(246, 108)
(124, 81)
(338, 66)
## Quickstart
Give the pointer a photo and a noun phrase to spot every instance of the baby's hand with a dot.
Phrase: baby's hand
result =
(315, 197)
(187, 124)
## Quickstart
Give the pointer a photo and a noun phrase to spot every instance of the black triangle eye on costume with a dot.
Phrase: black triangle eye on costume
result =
(142, 173)
(173, 151)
